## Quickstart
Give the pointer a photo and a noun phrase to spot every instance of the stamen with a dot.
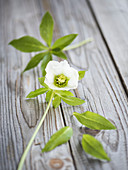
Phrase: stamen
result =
(60, 80)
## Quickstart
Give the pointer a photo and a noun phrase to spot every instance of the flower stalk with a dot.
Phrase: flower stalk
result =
(34, 135)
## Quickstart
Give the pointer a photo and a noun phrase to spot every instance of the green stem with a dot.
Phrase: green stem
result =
(34, 135)
(78, 45)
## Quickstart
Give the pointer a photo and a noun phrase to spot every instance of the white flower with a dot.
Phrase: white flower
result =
(60, 76)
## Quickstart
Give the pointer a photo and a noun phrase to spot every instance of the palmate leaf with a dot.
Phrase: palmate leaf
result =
(37, 92)
(45, 61)
(46, 28)
(63, 42)
(93, 147)
(35, 61)
(56, 102)
(64, 93)
(81, 74)
(94, 121)
(73, 101)
(60, 54)
(66, 96)
(28, 44)
(58, 138)
(41, 80)
(48, 95)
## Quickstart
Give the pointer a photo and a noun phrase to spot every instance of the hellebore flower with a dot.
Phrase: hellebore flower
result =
(60, 76)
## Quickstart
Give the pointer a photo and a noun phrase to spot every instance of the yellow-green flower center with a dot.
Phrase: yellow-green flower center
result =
(60, 80)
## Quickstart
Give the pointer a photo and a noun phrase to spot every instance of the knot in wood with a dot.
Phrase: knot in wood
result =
(56, 163)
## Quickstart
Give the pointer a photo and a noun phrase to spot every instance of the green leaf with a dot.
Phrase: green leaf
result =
(78, 44)
(73, 101)
(59, 54)
(36, 92)
(63, 42)
(41, 80)
(34, 61)
(46, 28)
(28, 44)
(81, 74)
(58, 138)
(48, 95)
(56, 102)
(93, 147)
(63, 93)
(45, 61)
(94, 121)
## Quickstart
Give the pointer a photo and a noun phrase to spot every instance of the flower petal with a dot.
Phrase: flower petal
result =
(57, 68)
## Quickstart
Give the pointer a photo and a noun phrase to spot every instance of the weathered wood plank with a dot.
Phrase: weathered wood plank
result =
(113, 21)
(101, 87)
(19, 117)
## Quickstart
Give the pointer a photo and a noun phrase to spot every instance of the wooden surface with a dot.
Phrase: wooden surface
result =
(104, 88)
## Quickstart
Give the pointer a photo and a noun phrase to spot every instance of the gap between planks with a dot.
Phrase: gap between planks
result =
(107, 47)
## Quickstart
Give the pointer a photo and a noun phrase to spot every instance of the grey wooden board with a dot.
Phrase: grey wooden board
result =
(101, 88)
(19, 117)
(112, 17)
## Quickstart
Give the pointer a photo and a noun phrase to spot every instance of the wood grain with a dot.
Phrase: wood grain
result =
(113, 22)
(19, 117)
(101, 88)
